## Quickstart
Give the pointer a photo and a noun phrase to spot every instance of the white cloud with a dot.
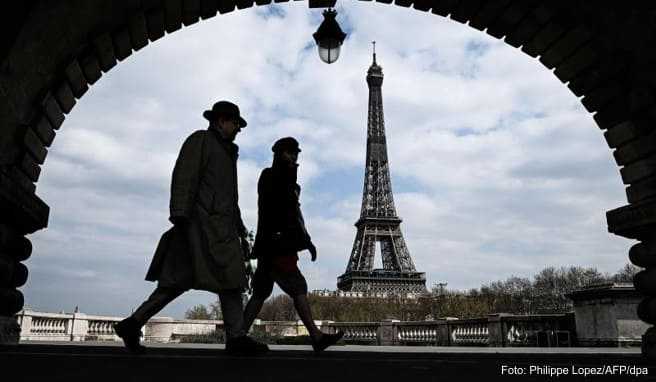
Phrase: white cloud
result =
(497, 169)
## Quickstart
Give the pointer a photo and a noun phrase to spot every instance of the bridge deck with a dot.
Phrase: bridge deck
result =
(189, 362)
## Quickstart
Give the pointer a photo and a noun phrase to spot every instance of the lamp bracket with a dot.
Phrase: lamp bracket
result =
(322, 3)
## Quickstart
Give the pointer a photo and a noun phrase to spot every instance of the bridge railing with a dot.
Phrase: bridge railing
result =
(548, 330)
(50, 325)
(355, 332)
(494, 330)
(469, 332)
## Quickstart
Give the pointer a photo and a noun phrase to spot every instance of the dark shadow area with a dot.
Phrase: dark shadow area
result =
(298, 363)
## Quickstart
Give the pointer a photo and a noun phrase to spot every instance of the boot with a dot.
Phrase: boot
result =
(130, 331)
(245, 345)
(326, 340)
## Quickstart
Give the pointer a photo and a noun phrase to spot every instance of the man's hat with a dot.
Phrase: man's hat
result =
(286, 144)
(225, 109)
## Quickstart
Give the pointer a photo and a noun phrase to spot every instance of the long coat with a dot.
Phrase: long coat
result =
(280, 224)
(206, 255)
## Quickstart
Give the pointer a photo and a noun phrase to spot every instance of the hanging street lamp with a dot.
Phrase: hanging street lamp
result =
(329, 37)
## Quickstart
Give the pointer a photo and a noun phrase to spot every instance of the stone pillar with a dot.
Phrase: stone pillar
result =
(14, 248)
(649, 343)
(496, 328)
(79, 327)
(25, 322)
(444, 331)
(21, 213)
(638, 221)
(159, 329)
(644, 255)
(606, 315)
(9, 330)
(388, 333)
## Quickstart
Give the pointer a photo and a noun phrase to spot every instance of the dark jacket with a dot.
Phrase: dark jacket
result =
(207, 253)
(280, 225)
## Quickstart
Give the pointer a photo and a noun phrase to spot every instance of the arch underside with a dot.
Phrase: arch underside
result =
(52, 52)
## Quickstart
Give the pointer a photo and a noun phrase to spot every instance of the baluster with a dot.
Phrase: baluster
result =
(509, 336)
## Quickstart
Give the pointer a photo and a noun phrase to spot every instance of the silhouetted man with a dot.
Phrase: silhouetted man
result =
(281, 233)
(205, 248)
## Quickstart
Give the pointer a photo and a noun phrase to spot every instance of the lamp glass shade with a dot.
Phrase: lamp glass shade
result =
(329, 55)
(329, 37)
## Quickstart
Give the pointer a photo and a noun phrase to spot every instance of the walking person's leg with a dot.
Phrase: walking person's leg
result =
(293, 283)
(233, 314)
(252, 309)
(129, 329)
(305, 313)
(262, 288)
(237, 342)
(161, 297)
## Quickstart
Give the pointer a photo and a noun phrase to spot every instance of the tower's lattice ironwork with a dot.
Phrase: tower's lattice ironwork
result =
(378, 219)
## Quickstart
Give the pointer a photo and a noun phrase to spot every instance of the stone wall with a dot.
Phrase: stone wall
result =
(606, 315)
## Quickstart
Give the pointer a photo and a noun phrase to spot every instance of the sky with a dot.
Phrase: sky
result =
(497, 169)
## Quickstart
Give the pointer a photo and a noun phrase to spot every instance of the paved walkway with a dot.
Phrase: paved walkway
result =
(365, 349)
(93, 361)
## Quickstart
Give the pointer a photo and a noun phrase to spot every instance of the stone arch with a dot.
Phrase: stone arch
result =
(52, 52)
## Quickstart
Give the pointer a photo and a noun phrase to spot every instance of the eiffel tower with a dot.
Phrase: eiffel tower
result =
(378, 221)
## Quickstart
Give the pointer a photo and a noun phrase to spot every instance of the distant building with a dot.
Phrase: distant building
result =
(358, 294)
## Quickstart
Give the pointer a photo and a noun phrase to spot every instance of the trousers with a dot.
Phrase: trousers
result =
(231, 307)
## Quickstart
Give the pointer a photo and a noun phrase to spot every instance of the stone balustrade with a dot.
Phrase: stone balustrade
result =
(469, 332)
(538, 330)
(356, 332)
(494, 330)
(42, 326)
(422, 332)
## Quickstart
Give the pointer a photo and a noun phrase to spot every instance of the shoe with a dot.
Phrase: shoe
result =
(130, 332)
(325, 341)
(245, 345)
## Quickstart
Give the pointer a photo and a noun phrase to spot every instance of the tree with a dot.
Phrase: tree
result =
(551, 285)
(215, 310)
(278, 308)
(625, 275)
(545, 293)
(198, 312)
